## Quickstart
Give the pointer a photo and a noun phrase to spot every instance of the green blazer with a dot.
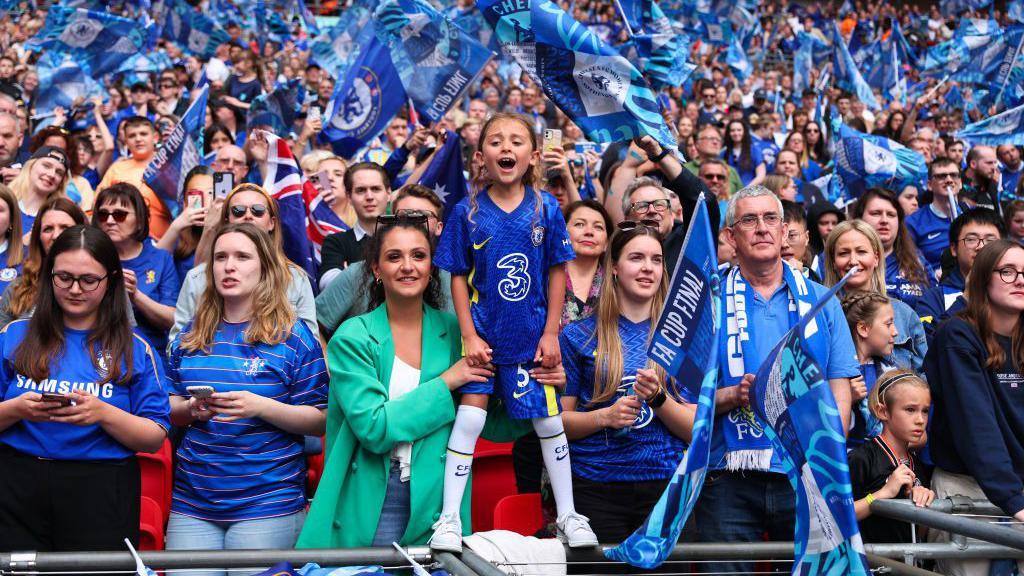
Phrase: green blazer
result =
(364, 425)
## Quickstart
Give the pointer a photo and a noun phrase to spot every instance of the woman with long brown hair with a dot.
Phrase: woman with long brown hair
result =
(12, 251)
(625, 432)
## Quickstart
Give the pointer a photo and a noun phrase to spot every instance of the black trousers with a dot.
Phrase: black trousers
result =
(67, 505)
(615, 509)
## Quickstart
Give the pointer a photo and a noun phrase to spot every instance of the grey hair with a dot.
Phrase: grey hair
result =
(636, 184)
(754, 191)
(15, 119)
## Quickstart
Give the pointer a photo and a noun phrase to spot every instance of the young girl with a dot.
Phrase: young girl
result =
(870, 316)
(505, 246)
(1014, 215)
(885, 467)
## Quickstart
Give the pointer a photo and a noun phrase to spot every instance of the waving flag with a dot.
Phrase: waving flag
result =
(193, 31)
(305, 220)
(279, 108)
(445, 175)
(181, 151)
(803, 62)
(64, 85)
(436, 60)
(685, 343)
(845, 72)
(907, 53)
(1003, 128)
(336, 48)
(308, 20)
(715, 30)
(791, 396)
(956, 7)
(736, 59)
(1015, 11)
(1010, 75)
(662, 57)
(602, 92)
(864, 161)
(98, 41)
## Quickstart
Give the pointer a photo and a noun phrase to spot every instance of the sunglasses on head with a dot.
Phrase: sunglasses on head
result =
(119, 215)
(406, 217)
(257, 210)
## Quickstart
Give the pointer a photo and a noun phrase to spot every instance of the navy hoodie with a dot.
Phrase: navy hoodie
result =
(940, 302)
(977, 425)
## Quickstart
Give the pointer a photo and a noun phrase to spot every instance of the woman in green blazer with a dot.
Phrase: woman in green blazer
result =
(387, 436)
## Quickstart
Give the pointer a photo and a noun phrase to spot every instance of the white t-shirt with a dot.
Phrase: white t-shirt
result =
(404, 379)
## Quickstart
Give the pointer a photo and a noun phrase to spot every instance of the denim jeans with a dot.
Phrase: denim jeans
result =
(187, 533)
(741, 507)
(394, 515)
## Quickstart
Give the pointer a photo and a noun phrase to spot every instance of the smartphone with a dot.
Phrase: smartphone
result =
(322, 181)
(314, 113)
(194, 199)
(552, 139)
(223, 182)
(62, 399)
(200, 391)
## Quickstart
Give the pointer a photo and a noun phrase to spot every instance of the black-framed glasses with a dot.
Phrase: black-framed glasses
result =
(972, 241)
(119, 215)
(627, 225)
(87, 282)
(257, 210)
(645, 206)
(1009, 275)
(749, 222)
(420, 218)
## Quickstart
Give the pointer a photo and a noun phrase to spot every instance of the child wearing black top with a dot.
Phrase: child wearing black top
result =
(884, 466)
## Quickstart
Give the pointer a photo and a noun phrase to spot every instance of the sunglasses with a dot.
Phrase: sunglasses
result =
(119, 215)
(627, 225)
(406, 217)
(257, 210)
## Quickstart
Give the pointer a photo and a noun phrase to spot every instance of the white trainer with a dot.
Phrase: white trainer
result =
(447, 534)
(574, 529)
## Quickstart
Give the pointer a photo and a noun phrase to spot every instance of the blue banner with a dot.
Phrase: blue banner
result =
(663, 58)
(845, 72)
(97, 41)
(193, 31)
(279, 108)
(791, 396)
(64, 85)
(685, 343)
(336, 48)
(1004, 128)
(602, 92)
(181, 151)
(864, 161)
(736, 59)
(436, 60)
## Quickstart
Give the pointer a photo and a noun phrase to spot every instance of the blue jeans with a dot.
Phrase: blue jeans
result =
(187, 533)
(741, 507)
(394, 515)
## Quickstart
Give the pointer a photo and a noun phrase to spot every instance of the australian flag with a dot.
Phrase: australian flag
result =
(602, 92)
(98, 41)
(436, 60)
(305, 219)
(445, 175)
(365, 99)
(685, 343)
(864, 161)
(791, 396)
(181, 151)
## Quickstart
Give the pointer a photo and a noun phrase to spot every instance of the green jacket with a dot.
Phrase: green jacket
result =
(363, 426)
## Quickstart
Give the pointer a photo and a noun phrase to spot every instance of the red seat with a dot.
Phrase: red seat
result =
(151, 525)
(315, 468)
(493, 479)
(519, 513)
(157, 478)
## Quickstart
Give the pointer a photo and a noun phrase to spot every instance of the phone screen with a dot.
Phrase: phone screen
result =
(552, 139)
(314, 112)
(223, 182)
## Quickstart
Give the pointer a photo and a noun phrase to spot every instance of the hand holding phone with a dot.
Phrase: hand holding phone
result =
(552, 139)
(200, 391)
(223, 182)
(62, 399)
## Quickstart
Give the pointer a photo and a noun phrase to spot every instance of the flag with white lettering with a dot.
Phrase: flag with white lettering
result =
(180, 152)
(685, 343)
(1004, 128)
(791, 396)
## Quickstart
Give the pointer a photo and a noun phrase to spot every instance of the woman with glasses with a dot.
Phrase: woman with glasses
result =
(248, 380)
(56, 216)
(626, 433)
(742, 155)
(393, 372)
(80, 396)
(149, 272)
(250, 204)
(975, 370)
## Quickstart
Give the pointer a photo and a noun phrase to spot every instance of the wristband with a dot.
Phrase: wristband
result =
(656, 159)
(657, 400)
(870, 498)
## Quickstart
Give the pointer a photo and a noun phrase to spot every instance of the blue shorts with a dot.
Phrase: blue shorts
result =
(523, 396)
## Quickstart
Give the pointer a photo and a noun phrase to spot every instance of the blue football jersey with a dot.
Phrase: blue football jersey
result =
(648, 451)
(157, 277)
(246, 469)
(931, 234)
(506, 257)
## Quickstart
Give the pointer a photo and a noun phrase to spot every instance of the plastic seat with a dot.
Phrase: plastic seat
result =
(493, 479)
(520, 513)
(151, 525)
(157, 478)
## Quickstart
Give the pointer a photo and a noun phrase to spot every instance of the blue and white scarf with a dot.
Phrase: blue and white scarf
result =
(750, 448)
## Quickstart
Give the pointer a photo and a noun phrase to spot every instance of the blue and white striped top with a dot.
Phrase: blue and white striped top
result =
(246, 469)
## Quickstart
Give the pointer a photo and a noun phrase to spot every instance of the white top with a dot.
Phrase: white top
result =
(404, 379)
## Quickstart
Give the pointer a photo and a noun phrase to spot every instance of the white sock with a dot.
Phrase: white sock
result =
(469, 422)
(555, 448)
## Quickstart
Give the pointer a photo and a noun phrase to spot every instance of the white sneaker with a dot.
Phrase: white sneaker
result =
(447, 534)
(574, 529)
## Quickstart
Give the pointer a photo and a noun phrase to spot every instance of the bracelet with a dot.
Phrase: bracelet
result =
(656, 159)
(657, 400)
(870, 498)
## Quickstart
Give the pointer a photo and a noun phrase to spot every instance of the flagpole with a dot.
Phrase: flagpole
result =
(1006, 80)
(936, 88)
(625, 20)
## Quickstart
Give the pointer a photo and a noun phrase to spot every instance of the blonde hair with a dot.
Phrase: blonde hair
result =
(777, 183)
(832, 275)
(881, 394)
(15, 255)
(21, 185)
(861, 308)
(310, 163)
(272, 315)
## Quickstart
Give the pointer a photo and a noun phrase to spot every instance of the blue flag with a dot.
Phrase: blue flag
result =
(864, 161)
(193, 31)
(791, 396)
(1004, 128)
(365, 99)
(803, 62)
(1015, 11)
(336, 48)
(736, 59)
(308, 20)
(845, 72)
(714, 30)
(445, 174)
(279, 108)
(598, 89)
(98, 42)
(663, 58)
(180, 152)
(685, 343)
(63, 85)
(436, 60)
(956, 7)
